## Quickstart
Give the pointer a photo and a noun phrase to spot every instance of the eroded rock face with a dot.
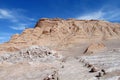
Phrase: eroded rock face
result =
(59, 32)
(81, 28)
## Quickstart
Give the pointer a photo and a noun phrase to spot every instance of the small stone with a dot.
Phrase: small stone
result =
(89, 65)
(99, 75)
(104, 72)
(94, 69)
(62, 66)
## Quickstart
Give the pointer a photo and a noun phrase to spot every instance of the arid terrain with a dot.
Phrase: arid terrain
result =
(57, 49)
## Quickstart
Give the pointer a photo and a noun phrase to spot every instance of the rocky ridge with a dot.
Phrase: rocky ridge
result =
(58, 32)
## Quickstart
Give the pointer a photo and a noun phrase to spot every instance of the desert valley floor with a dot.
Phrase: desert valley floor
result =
(63, 50)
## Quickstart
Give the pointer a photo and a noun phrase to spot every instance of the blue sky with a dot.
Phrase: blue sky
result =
(16, 15)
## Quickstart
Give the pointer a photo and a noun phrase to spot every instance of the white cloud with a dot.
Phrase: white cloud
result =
(17, 17)
(94, 15)
(7, 14)
(110, 15)
(14, 15)
(31, 19)
(19, 27)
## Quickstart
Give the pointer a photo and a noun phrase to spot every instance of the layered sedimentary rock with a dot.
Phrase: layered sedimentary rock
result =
(59, 32)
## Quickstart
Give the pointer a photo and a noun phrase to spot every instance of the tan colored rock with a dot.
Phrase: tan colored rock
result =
(11, 49)
(61, 33)
(95, 47)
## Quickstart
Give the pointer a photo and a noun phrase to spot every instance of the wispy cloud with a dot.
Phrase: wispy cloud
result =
(93, 15)
(7, 14)
(17, 17)
(110, 15)
(17, 21)
(19, 27)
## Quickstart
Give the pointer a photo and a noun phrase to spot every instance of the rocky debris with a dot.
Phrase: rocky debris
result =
(89, 65)
(95, 47)
(24, 71)
(86, 64)
(57, 69)
(74, 70)
(101, 73)
(94, 69)
(67, 68)
(53, 76)
(33, 53)
(107, 62)
(104, 72)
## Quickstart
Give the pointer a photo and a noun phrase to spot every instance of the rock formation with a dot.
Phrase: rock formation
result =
(56, 49)
(33, 53)
(95, 47)
(59, 32)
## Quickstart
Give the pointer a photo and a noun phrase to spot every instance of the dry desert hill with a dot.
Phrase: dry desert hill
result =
(58, 49)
